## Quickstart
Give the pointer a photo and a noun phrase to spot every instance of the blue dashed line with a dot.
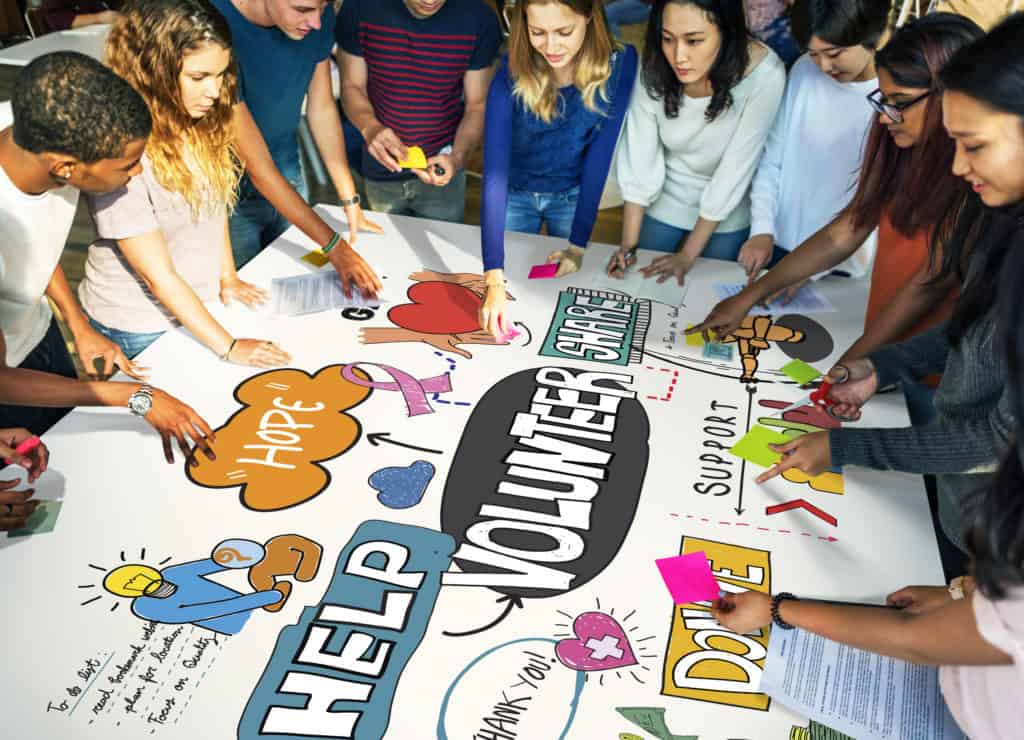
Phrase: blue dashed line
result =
(451, 369)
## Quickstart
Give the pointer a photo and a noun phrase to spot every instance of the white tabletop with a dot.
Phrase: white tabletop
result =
(88, 40)
(78, 662)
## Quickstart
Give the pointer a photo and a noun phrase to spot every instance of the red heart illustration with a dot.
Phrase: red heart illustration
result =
(438, 308)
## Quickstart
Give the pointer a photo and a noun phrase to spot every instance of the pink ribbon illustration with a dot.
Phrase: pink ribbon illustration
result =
(415, 391)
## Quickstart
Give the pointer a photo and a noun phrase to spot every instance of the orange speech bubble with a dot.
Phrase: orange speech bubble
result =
(271, 448)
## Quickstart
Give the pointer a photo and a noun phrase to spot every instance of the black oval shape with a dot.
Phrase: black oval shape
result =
(583, 483)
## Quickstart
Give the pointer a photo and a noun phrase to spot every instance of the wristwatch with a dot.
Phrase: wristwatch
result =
(141, 401)
(353, 201)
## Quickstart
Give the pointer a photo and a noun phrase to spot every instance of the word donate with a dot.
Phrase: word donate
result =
(334, 673)
(515, 690)
(546, 480)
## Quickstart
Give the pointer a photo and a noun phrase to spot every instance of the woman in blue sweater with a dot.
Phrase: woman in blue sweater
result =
(554, 111)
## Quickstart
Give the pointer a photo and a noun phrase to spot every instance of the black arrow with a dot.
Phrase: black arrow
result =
(513, 601)
(751, 390)
(525, 328)
(375, 438)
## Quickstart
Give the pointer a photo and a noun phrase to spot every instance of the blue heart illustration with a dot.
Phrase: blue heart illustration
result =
(401, 488)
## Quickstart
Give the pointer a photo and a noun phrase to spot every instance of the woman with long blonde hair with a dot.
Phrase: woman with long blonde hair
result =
(554, 112)
(164, 248)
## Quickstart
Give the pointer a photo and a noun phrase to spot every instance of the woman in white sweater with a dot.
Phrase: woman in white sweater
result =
(696, 126)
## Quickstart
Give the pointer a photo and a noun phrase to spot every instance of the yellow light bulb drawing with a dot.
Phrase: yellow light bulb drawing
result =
(132, 580)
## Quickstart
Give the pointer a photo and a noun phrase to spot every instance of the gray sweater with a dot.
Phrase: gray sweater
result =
(974, 423)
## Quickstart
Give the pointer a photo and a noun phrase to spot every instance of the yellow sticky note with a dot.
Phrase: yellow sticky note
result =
(317, 259)
(697, 340)
(415, 159)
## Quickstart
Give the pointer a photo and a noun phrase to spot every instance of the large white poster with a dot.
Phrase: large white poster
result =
(415, 532)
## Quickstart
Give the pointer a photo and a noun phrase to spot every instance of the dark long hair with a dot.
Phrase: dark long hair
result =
(733, 58)
(991, 70)
(840, 22)
(915, 187)
(994, 518)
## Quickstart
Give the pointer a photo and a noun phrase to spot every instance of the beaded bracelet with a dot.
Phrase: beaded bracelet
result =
(778, 620)
(332, 243)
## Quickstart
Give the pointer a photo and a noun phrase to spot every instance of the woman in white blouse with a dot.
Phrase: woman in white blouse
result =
(696, 126)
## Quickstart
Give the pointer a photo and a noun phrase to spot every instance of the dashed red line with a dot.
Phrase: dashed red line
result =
(707, 520)
(671, 383)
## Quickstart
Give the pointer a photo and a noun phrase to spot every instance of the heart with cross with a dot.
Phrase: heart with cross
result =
(600, 644)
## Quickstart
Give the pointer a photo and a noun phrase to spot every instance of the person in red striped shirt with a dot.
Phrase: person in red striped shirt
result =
(416, 73)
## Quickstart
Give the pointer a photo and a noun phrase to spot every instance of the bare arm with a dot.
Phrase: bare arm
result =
(260, 167)
(471, 128)
(910, 305)
(382, 143)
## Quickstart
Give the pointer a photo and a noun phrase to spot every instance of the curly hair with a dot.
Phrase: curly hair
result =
(534, 80)
(147, 47)
(731, 64)
(68, 103)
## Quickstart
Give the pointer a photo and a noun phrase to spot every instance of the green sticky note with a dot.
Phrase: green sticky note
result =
(652, 720)
(754, 446)
(800, 371)
(42, 520)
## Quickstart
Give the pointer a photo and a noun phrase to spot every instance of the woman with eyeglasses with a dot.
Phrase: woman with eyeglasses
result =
(906, 190)
(975, 628)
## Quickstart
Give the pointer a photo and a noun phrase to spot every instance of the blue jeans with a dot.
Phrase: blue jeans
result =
(662, 237)
(255, 222)
(130, 342)
(413, 197)
(625, 13)
(527, 211)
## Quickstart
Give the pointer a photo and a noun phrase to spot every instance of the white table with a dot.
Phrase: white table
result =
(111, 674)
(88, 40)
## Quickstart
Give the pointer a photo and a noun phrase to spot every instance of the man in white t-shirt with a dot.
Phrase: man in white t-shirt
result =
(76, 126)
(808, 172)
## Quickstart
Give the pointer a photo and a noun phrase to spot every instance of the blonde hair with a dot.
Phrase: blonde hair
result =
(147, 47)
(533, 78)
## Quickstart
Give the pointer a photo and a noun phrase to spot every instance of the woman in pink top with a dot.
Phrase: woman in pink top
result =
(974, 630)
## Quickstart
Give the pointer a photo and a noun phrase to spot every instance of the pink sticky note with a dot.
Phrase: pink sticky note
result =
(511, 334)
(538, 272)
(688, 578)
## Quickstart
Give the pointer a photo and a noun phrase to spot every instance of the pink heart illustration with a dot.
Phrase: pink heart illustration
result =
(600, 644)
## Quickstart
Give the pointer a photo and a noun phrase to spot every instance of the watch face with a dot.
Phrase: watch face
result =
(140, 403)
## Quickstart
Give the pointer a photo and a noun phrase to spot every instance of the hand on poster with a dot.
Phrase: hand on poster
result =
(357, 221)
(384, 145)
(853, 384)
(257, 353)
(919, 599)
(233, 288)
(725, 318)
(15, 506)
(755, 254)
(669, 266)
(354, 271)
(786, 295)
(174, 420)
(21, 447)
(569, 260)
(623, 259)
(91, 346)
(744, 612)
(811, 454)
(492, 309)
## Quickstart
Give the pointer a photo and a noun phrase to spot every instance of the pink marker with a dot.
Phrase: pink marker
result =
(25, 447)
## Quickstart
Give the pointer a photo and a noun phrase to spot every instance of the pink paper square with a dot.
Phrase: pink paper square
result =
(688, 578)
(538, 272)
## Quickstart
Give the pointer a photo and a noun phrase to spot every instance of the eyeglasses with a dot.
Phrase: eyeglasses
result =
(893, 111)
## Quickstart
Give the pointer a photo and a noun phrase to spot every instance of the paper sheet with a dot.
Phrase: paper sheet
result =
(808, 300)
(855, 692)
(636, 285)
(319, 291)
